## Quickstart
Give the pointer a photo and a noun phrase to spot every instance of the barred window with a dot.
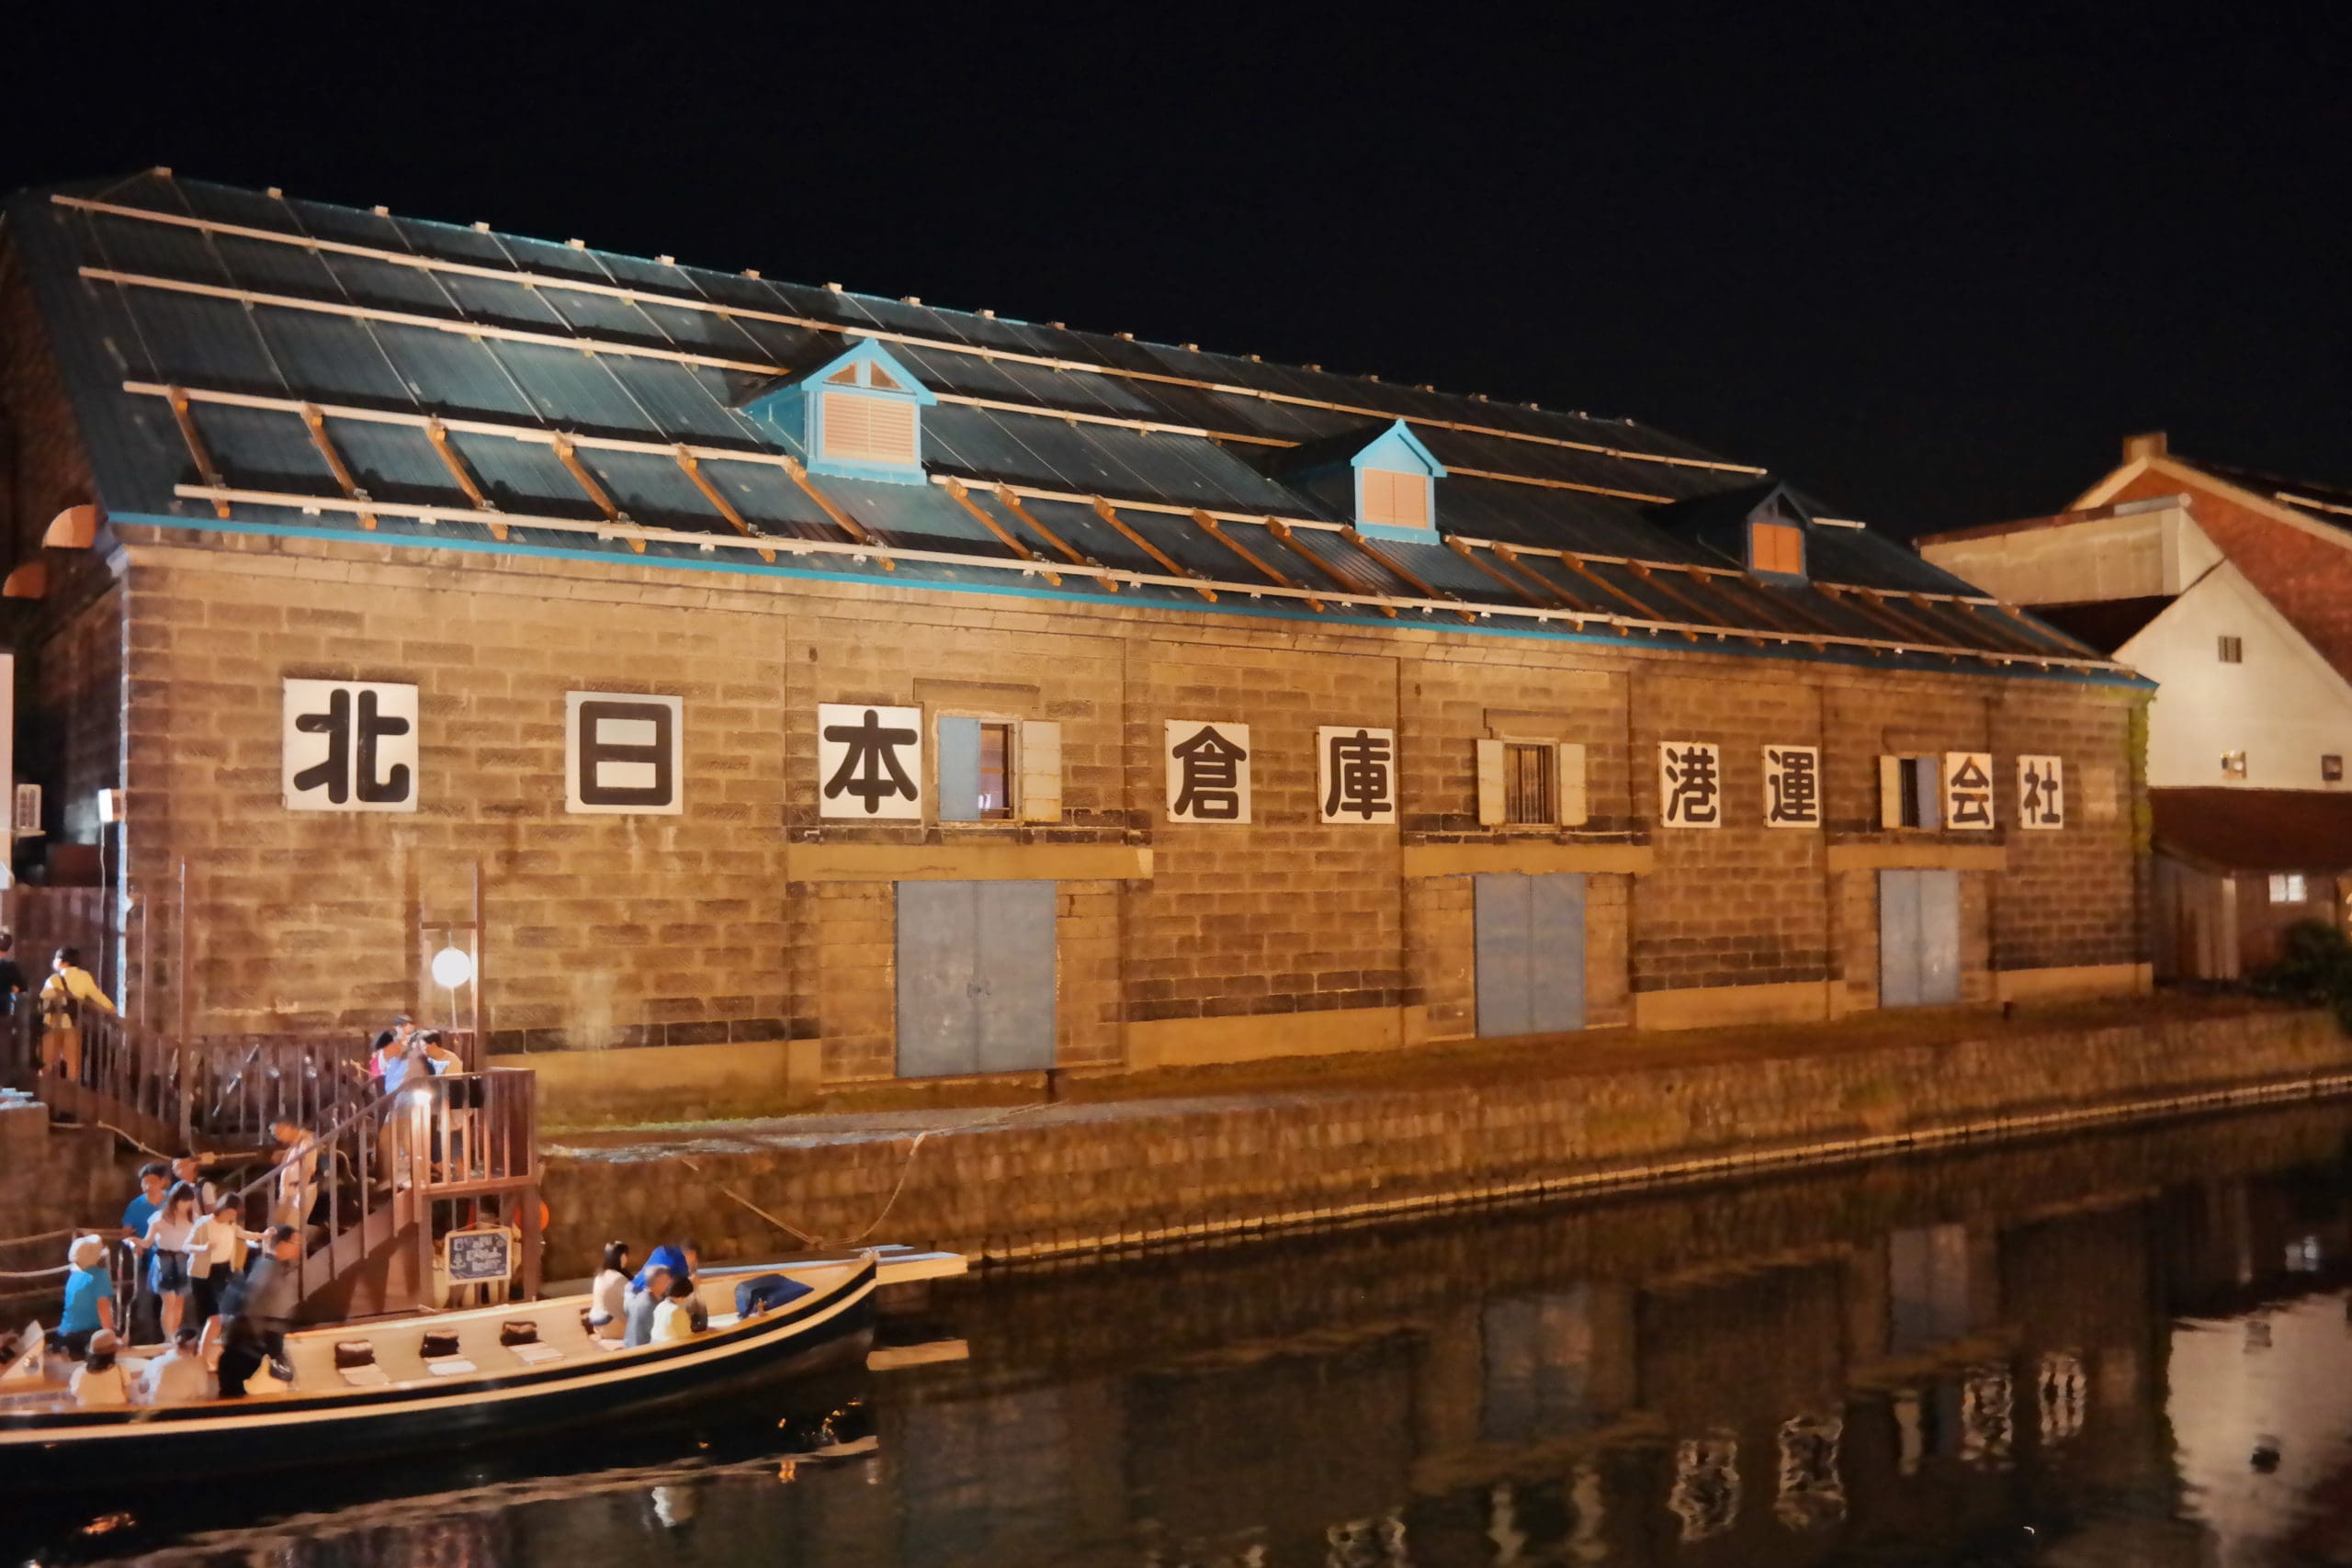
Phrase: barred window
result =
(1531, 786)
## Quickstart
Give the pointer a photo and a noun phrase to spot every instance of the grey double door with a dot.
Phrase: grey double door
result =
(975, 977)
(1530, 942)
(1918, 938)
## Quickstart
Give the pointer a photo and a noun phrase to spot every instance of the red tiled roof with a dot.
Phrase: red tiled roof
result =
(2255, 829)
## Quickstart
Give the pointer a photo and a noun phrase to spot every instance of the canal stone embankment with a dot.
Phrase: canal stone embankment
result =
(1005, 1183)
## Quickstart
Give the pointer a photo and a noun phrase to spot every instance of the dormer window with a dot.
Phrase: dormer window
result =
(859, 416)
(1396, 486)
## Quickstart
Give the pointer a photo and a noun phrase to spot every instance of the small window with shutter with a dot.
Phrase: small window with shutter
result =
(994, 770)
(1531, 783)
(1397, 501)
(1777, 549)
(1910, 792)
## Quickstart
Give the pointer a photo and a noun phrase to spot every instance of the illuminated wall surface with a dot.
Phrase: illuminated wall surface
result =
(1917, 1363)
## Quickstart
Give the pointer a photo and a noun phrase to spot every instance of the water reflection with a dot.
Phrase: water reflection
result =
(2126, 1349)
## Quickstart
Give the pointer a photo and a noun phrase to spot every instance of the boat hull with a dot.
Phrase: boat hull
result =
(332, 1426)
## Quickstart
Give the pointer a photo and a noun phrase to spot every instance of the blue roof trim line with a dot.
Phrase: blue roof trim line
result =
(1226, 605)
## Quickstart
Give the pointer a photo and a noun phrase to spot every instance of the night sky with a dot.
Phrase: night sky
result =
(1933, 277)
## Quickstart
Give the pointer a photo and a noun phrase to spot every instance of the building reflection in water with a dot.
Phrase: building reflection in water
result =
(2069, 1349)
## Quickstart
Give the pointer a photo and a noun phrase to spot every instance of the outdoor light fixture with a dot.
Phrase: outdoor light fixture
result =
(452, 968)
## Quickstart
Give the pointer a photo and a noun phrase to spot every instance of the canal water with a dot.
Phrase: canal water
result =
(2128, 1347)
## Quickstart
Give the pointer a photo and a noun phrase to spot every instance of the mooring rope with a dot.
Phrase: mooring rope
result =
(905, 1171)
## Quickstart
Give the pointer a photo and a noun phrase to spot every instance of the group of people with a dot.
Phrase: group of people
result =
(656, 1304)
(63, 995)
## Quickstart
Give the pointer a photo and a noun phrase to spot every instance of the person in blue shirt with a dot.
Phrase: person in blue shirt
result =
(135, 1216)
(89, 1297)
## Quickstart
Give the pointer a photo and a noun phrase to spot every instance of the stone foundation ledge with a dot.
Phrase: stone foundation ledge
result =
(1009, 1183)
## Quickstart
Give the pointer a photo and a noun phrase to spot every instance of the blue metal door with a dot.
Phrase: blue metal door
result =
(1014, 1026)
(1939, 937)
(1918, 938)
(1898, 939)
(1529, 948)
(975, 977)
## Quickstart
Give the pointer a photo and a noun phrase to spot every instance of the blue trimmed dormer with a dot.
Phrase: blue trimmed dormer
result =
(858, 416)
(1763, 527)
(1396, 486)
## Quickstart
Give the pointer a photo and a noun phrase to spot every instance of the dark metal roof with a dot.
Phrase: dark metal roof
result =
(2255, 829)
(226, 350)
(2106, 624)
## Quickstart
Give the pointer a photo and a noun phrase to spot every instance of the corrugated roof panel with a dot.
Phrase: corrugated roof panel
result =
(330, 359)
(652, 490)
(160, 250)
(554, 259)
(732, 337)
(228, 204)
(394, 462)
(603, 316)
(1080, 390)
(449, 242)
(383, 286)
(522, 476)
(942, 372)
(1869, 559)
(263, 449)
(201, 342)
(503, 304)
(268, 267)
(1090, 536)
(576, 391)
(1242, 415)
(633, 272)
(454, 375)
(769, 500)
(681, 402)
(348, 225)
(917, 517)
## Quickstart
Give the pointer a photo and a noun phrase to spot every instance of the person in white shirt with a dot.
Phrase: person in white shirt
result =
(216, 1255)
(297, 1172)
(177, 1376)
(608, 1297)
(167, 1238)
(674, 1318)
(98, 1380)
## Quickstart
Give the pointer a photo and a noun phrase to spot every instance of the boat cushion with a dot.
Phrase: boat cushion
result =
(438, 1342)
(518, 1331)
(353, 1353)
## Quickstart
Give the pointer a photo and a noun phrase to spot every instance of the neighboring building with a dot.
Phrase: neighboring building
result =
(2232, 591)
(834, 688)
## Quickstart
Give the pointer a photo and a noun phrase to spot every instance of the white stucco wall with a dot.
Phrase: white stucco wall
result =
(2283, 707)
(2152, 548)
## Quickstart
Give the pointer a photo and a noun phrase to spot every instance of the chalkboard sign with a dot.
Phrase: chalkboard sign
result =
(475, 1256)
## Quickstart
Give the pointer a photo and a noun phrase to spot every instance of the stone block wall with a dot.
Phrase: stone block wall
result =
(730, 925)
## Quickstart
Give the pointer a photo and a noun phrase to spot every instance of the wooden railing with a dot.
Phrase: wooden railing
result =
(402, 1171)
(218, 1093)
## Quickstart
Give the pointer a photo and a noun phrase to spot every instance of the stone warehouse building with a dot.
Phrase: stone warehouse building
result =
(835, 688)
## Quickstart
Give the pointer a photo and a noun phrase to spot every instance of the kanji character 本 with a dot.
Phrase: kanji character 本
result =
(1359, 774)
(1792, 786)
(1691, 780)
(1968, 790)
(2041, 792)
(1209, 789)
(870, 769)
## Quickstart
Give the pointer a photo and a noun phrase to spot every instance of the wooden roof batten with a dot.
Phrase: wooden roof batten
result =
(1011, 503)
(1282, 530)
(1210, 526)
(1103, 509)
(1004, 535)
(874, 548)
(632, 295)
(335, 464)
(717, 498)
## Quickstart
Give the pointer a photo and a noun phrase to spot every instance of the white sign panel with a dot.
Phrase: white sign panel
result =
(869, 762)
(1355, 774)
(350, 745)
(1208, 770)
(623, 754)
(1691, 783)
(1792, 786)
(1968, 791)
(2041, 793)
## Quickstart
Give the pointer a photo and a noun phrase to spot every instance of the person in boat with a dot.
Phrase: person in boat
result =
(257, 1333)
(217, 1255)
(167, 1251)
(63, 995)
(154, 1181)
(608, 1297)
(89, 1298)
(674, 1318)
(98, 1381)
(178, 1376)
(644, 1298)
